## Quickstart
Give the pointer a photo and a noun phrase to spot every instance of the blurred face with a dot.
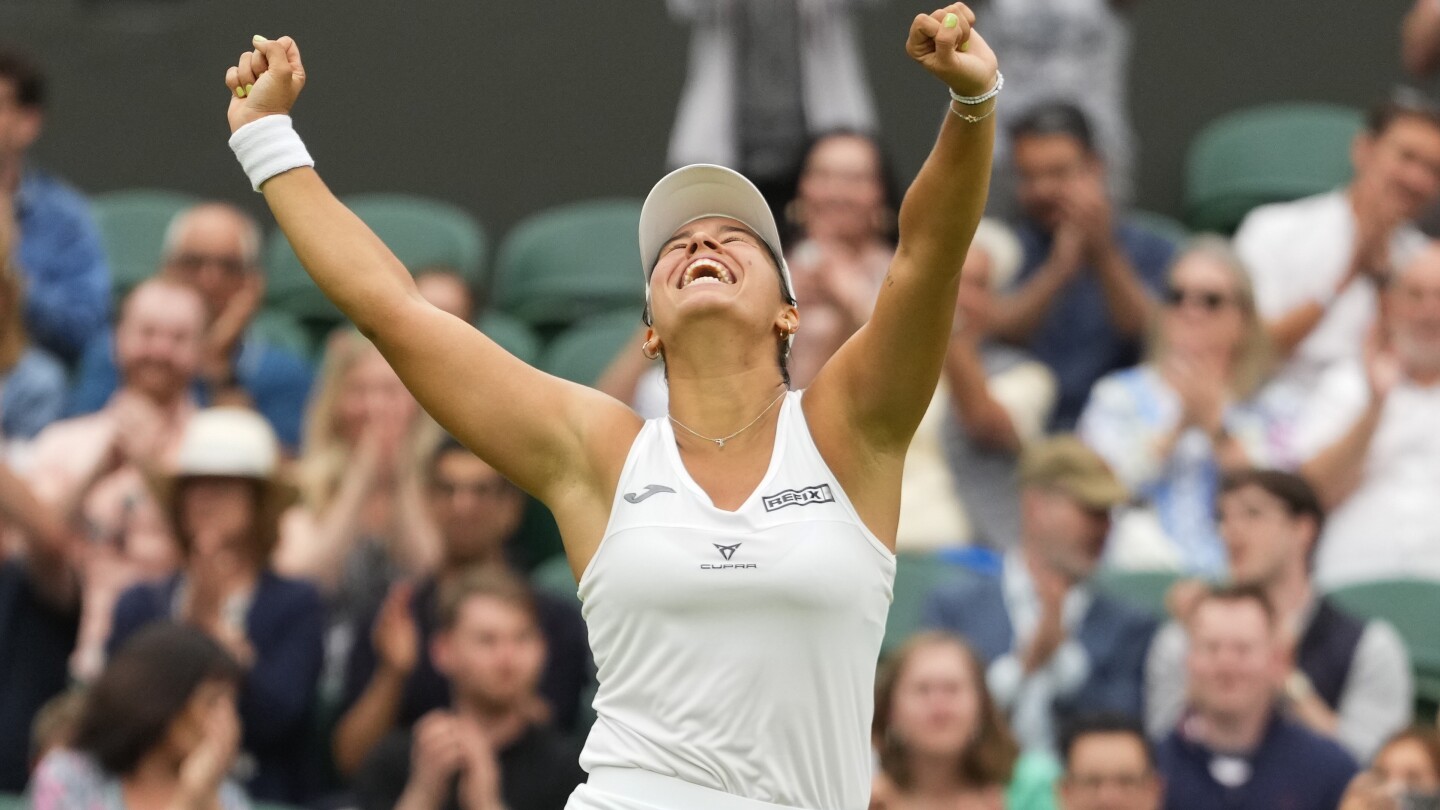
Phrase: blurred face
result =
(841, 190)
(210, 256)
(1109, 771)
(1202, 316)
(716, 268)
(1406, 768)
(1414, 303)
(189, 728)
(157, 342)
(1402, 164)
(19, 126)
(1261, 537)
(218, 513)
(936, 707)
(1066, 534)
(476, 509)
(976, 300)
(371, 395)
(1234, 659)
(447, 292)
(493, 655)
(1048, 168)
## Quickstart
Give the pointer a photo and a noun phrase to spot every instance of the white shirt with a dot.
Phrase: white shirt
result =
(1296, 253)
(736, 650)
(1390, 525)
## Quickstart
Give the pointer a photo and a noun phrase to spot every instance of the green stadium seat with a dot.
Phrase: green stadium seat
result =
(1266, 154)
(513, 335)
(132, 226)
(562, 265)
(280, 328)
(916, 576)
(554, 577)
(1144, 590)
(1160, 225)
(12, 802)
(1413, 607)
(583, 352)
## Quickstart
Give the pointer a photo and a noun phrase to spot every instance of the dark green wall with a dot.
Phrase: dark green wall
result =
(507, 107)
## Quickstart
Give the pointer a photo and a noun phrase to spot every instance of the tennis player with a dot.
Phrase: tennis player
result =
(735, 560)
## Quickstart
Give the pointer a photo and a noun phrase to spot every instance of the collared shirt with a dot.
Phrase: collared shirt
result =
(1390, 525)
(1030, 698)
(67, 279)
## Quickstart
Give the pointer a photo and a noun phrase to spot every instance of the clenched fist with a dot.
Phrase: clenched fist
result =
(946, 43)
(265, 81)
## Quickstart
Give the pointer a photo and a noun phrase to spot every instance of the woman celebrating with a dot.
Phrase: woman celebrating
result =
(730, 557)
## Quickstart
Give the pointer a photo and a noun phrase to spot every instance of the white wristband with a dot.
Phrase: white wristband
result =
(269, 146)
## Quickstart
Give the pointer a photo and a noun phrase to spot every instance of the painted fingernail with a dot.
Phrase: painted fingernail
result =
(965, 46)
(951, 20)
(259, 40)
(239, 92)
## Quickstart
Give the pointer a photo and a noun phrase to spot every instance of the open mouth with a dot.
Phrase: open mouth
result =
(706, 271)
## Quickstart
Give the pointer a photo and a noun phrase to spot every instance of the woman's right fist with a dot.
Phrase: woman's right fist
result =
(265, 81)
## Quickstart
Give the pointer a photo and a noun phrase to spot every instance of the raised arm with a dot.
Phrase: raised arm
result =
(877, 386)
(550, 437)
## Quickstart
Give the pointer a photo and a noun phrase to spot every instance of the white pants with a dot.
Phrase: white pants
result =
(634, 789)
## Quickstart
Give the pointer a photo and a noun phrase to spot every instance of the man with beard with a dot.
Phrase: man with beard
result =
(96, 465)
(1054, 648)
(1372, 448)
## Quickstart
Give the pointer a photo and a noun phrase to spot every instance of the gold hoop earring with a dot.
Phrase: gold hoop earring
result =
(649, 352)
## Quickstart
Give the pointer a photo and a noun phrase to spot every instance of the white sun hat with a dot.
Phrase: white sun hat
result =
(699, 191)
(228, 442)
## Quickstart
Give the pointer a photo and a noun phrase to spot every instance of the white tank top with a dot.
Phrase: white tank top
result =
(737, 650)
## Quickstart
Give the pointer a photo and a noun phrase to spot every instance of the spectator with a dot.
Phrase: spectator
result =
(96, 465)
(32, 381)
(1348, 679)
(1086, 284)
(39, 620)
(992, 400)
(361, 522)
(1172, 426)
(224, 500)
(1109, 765)
(1073, 52)
(1053, 647)
(942, 741)
(1404, 776)
(1420, 39)
(56, 723)
(491, 648)
(61, 259)
(762, 76)
(1370, 440)
(446, 289)
(1318, 262)
(1236, 748)
(158, 729)
(215, 248)
(390, 682)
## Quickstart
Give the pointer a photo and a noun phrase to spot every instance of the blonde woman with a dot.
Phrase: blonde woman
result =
(1173, 425)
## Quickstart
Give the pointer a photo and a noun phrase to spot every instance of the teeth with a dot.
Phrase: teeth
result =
(722, 275)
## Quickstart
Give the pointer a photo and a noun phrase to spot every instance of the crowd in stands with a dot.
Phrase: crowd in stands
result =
(240, 569)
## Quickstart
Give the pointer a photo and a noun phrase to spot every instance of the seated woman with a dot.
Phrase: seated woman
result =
(1173, 425)
(225, 500)
(158, 730)
(941, 740)
(32, 381)
(1405, 775)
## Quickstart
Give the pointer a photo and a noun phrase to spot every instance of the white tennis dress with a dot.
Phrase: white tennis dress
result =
(736, 650)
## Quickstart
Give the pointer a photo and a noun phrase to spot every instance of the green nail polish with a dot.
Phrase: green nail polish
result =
(951, 20)
(239, 92)
(965, 46)
(249, 88)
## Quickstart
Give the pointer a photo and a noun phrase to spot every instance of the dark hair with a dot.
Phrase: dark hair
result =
(1056, 118)
(264, 536)
(448, 444)
(492, 581)
(1403, 102)
(1424, 736)
(891, 193)
(990, 760)
(1290, 489)
(146, 685)
(27, 76)
(1105, 723)
(1235, 594)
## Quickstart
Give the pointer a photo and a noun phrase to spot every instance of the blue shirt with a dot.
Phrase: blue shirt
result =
(1077, 339)
(1291, 769)
(276, 380)
(67, 279)
(32, 394)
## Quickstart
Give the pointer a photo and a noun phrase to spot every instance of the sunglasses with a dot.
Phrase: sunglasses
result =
(1210, 301)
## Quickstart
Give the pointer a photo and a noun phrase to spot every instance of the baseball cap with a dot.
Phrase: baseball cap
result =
(704, 190)
(1065, 463)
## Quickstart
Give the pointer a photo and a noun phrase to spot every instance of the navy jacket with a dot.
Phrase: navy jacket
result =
(1115, 636)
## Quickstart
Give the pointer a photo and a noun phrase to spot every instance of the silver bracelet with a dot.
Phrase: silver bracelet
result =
(983, 97)
(971, 119)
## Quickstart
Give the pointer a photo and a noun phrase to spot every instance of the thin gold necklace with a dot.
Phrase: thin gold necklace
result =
(720, 442)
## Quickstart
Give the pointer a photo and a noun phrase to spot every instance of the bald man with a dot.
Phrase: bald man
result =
(1372, 450)
(215, 249)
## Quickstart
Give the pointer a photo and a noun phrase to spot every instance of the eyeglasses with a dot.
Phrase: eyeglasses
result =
(1209, 300)
(191, 262)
